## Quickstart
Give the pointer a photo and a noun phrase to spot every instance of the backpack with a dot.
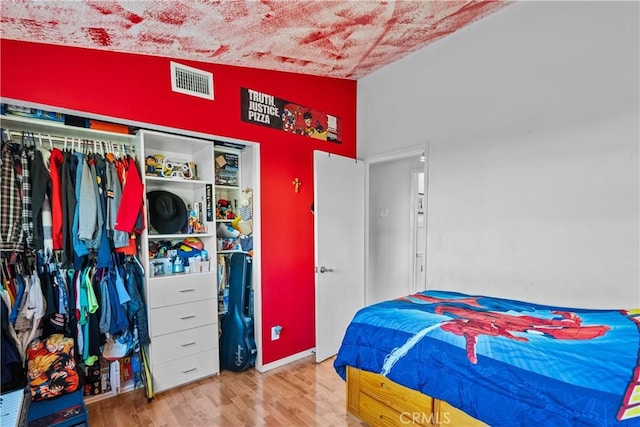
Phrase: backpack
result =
(51, 367)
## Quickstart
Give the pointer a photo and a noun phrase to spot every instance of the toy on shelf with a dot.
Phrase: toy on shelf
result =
(195, 224)
(159, 165)
(177, 257)
(224, 210)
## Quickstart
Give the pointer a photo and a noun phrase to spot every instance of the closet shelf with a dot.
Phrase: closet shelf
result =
(177, 236)
(161, 180)
(53, 128)
(174, 275)
(125, 387)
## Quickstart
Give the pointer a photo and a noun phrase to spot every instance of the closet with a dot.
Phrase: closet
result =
(234, 229)
(72, 213)
(190, 209)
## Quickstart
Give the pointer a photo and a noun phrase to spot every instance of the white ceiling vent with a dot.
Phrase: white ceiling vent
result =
(191, 81)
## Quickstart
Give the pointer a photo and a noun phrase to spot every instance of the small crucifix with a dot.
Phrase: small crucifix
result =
(296, 183)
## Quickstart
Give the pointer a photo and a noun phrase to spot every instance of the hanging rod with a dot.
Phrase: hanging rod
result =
(70, 142)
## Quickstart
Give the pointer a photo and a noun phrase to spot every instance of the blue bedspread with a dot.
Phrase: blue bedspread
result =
(504, 362)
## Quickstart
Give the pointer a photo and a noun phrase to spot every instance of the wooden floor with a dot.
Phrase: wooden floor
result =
(302, 393)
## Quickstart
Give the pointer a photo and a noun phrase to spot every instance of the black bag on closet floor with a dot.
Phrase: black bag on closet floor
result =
(14, 375)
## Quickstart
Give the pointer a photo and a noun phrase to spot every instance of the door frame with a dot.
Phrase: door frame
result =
(404, 153)
(415, 228)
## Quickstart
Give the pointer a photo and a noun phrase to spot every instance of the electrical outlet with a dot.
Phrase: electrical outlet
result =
(275, 332)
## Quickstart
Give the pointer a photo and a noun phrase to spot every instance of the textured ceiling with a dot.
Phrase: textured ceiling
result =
(344, 39)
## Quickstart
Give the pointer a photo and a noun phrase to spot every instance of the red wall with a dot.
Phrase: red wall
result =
(138, 88)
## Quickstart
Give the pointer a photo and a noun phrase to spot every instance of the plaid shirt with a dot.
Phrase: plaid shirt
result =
(11, 232)
(27, 212)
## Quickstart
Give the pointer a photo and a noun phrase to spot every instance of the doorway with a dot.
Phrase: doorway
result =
(418, 230)
(392, 227)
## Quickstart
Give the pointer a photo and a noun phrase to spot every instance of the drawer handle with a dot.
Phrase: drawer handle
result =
(188, 317)
(186, 290)
(189, 370)
(188, 344)
(381, 385)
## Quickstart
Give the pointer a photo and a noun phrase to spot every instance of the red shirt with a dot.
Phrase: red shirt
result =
(56, 160)
(131, 203)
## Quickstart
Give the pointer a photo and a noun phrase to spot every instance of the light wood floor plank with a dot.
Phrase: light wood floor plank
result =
(302, 393)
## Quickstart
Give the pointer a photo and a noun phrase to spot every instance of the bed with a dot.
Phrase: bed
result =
(447, 358)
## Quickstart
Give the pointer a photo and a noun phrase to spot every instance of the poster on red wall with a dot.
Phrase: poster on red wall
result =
(267, 110)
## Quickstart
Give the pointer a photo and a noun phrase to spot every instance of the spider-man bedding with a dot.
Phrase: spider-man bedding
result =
(504, 362)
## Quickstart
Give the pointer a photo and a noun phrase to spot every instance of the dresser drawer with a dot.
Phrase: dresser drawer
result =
(377, 414)
(184, 343)
(395, 396)
(180, 289)
(174, 318)
(180, 371)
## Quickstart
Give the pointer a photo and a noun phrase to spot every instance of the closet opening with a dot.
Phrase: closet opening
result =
(185, 187)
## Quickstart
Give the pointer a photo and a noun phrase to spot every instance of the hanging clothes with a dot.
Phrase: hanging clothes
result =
(132, 196)
(28, 323)
(41, 183)
(26, 156)
(114, 197)
(55, 164)
(13, 375)
(79, 246)
(105, 244)
(70, 213)
(68, 200)
(136, 309)
(87, 206)
(11, 232)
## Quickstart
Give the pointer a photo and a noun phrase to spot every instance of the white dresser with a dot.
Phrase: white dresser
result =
(183, 307)
(184, 329)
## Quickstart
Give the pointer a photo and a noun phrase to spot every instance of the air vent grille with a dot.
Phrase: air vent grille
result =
(191, 81)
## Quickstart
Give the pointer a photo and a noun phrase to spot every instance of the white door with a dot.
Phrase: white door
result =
(339, 247)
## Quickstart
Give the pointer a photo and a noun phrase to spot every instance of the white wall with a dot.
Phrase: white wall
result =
(550, 216)
(389, 270)
(531, 115)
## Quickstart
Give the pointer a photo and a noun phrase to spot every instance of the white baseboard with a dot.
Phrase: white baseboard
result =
(286, 360)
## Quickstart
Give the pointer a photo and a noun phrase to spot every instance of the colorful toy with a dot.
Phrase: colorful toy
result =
(153, 165)
(193, 242)
(173, 168)
(194, 223)
(224, 210)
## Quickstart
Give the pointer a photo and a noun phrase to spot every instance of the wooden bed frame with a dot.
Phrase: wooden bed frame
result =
(381, 402)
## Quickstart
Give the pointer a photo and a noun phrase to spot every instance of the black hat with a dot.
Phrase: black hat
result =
(167, 212)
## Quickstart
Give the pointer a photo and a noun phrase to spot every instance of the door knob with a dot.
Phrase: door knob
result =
(324, 269)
